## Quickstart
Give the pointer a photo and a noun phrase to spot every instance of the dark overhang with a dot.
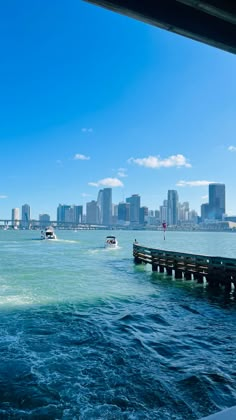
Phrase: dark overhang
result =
(210, 21)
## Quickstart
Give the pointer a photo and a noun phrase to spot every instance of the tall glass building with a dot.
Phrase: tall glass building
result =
(134, 202)
(78, 214)
(25, 216)
(123, 213)
(92, 212)
(172, 207)
(104, 204)
(62, 213)
(107, 206)
(69, 214)
(216, 201)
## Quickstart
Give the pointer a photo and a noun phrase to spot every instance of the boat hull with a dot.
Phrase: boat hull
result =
(111, 242)
(48, 234)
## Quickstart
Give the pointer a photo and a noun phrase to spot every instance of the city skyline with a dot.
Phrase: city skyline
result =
(104, 211)
(128, 107)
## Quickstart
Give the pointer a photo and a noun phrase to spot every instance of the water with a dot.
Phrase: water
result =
(85, 334)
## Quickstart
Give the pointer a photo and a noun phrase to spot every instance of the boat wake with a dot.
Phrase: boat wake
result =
(64, 241)
(112, 249)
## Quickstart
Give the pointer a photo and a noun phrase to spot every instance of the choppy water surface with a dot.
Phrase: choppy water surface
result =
(85, 334)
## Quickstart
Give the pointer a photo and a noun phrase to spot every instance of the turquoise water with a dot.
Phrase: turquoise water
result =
(86, 334)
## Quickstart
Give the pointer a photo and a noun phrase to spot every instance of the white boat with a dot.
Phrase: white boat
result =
(111, 242)
(48, 233)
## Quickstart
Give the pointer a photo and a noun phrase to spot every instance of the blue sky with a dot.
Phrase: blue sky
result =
(90, 98)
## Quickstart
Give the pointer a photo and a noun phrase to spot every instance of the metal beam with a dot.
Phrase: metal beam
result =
(210, 21)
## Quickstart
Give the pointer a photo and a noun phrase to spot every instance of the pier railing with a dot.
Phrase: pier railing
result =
(214, 270)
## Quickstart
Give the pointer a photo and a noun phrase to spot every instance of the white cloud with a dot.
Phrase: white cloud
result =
(3, 197)
(204, 197)
(81, 157)
(86, 195)
(122, 173)
(194, 183)
(87, 130)
(107, 182)
(232, 148)
(157, 162)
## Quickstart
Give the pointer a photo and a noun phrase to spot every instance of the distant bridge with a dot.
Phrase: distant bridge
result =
(38, 224)
(210, 21)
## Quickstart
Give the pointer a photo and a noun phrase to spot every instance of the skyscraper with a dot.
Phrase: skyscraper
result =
(143, 215)
(123, 213)
(69, 214)
(114, 214)
(134, 202)
(78, 214)
(92, 212)
(183, 210)
(15, 217)
(216, 201)
(205, 211)
(100, 207)
(104, 205)
(107, 206)
(172, 207)
(62, 212)
(25, 216)
(164, 211)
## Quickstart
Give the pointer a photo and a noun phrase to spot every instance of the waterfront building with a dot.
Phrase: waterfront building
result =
(62, 210)
(100, 206)
(25, 216)
(114, 214)
(183, 212)
(157, 214)
(216, 201)
(69, 214)
(78, 214)
(123, 213)
(205, 212)
(15, 217)
(193, 217)
(44, 220)
(153, 217)
(134, 202)
(143, 215)
(172, 207)
(164, 211)
(92, 213)
(107, 206)
(115, 210)
(104, 203)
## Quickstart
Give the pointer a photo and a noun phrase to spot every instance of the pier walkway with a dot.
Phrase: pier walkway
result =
(216, 271)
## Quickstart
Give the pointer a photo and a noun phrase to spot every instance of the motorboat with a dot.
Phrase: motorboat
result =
(48, 233)
(111, 242)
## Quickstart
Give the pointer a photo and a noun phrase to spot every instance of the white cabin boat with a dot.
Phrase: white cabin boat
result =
(111, 242)
(48, 233)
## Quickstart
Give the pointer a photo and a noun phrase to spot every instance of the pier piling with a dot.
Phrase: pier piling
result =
(217, 271)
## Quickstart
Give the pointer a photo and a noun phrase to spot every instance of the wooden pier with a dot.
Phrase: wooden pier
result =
(216, 271)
